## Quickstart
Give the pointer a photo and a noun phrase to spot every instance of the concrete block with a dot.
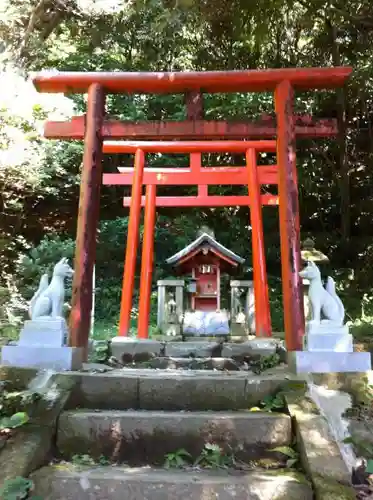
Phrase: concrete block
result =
(190, 349)
(127, 349)
(118, 483)
(138, 437)
(55, 358)
(250, 348)
(329, 362)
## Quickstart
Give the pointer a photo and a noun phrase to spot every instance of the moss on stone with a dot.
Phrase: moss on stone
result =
(18, 378)
(327, 488)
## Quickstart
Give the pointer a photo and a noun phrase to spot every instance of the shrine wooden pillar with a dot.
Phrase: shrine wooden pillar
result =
(147, 259)
(89, 208)
(263, 326)
(132, 244)
(289, 218)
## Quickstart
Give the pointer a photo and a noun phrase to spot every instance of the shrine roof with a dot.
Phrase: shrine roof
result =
(202, 239)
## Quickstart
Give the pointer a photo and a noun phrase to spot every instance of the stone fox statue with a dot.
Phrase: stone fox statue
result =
(323, 300)
(49, 298)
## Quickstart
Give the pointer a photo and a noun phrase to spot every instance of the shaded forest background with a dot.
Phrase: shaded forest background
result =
(39, 179)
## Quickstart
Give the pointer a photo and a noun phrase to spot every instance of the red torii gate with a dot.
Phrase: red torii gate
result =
(250, 175)
(94, 128)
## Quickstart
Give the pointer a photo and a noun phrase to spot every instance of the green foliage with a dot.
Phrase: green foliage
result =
(177, 459)
(16, 420)
(213, 456)
(291, 454)
(274, 402)
(264, 363)
(15, 407)
(18, 488)
(101, 351)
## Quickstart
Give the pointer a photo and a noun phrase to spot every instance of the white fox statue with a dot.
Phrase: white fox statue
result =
(48, 300)
(324, 301)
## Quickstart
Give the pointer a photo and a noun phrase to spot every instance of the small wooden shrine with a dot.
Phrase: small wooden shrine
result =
(203, 261)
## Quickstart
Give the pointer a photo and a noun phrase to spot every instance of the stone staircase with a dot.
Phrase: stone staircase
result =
(127, 421)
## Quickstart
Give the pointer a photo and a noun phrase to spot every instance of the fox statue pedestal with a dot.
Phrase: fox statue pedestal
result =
(328, 346)
(43, 341)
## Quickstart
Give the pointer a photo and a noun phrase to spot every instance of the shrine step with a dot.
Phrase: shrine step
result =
(148, 389)
(145, 437)
(118, 483)
(127, 350)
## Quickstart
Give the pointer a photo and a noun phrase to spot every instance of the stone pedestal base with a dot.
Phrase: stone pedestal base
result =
(325, 327)
(329, 362)
(336, 342)
(54, 358)
(44, 332)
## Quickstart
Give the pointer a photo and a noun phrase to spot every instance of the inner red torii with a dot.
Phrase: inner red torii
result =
(94, 128)
(250, 175)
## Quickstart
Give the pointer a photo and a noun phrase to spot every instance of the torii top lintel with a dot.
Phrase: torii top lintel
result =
(180, 82)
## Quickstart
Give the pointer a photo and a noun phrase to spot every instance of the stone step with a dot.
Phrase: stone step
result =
(127, 350)
(148, 389)
(143, 437)
(117, 483)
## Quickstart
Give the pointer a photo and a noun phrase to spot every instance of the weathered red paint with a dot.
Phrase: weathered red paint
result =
(190, 130)
(89, 202)
(233, 176)
(181, 82)
(189, 146)
(132, 244)
(207, 201)
(262, 313)
(147, 258)
(289, 219)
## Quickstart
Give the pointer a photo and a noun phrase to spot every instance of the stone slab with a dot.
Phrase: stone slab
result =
(192, 349)
(320, 454)
(105, 391)
(44, 332)
(250, 348)
(55, 358)
(145, 437)
(335, 342)
(150, 389)
(329, 362)
(127, 349)
(118, 483)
